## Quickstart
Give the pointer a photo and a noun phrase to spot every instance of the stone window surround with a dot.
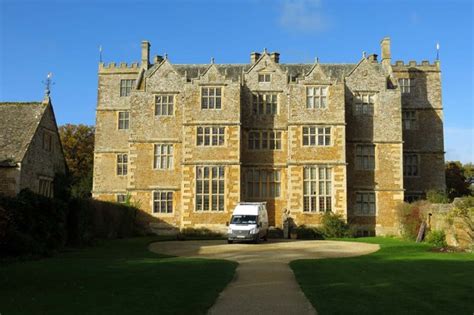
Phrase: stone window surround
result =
(271, 181)
(221, 186)
(405, 85)
(125, 121)
(356, 157)
(416, 165)
(168, 156)
(260, 98)
(211, 135)
(157, 199)
(126, 86)
(121, 198)
(276, 139)
(321, 96)
(370, 104)
(46, 186)
(409, 119)
(214, 97)
(264, 77)
(169, 105)
(329, 206)
(369, 193)
(121, 167)
(317, 135)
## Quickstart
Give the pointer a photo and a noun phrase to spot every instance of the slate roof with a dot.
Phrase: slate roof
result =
(334, 71)
(18, 124)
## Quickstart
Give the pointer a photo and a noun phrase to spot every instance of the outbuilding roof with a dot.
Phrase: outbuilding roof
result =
(18, 124)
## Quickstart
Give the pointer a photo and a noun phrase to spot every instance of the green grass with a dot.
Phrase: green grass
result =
(117, 277)
(401, 278)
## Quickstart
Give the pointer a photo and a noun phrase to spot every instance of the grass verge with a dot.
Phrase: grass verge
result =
(116, 277)
(401, 278)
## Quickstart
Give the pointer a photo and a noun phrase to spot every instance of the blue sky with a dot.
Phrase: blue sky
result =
(37, 37)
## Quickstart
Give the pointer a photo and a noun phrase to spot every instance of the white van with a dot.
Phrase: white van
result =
(249, 222)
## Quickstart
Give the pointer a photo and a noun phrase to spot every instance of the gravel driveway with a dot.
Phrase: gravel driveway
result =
(263, 282)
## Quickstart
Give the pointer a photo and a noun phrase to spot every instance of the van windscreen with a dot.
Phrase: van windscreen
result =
(243, 219)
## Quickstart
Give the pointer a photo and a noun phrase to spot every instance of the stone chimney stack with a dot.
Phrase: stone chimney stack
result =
(145, 54)
(385, 48)
(254, 57)
(275, 57)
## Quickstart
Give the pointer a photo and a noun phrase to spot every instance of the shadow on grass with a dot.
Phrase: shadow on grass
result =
(401, 278)
(117, 277)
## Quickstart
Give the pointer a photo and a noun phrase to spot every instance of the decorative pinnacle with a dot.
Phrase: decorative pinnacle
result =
(364, 55)
(316, 59)
(437, 51)
(166, 56)
(264, 50)
(212, 60)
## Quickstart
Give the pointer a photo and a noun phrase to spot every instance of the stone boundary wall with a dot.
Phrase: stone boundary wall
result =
(459, 230)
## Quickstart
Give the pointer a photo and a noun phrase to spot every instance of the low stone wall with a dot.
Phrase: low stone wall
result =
(459, 229)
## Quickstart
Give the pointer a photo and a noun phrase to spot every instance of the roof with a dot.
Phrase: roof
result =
(18, 122)
(233, 71)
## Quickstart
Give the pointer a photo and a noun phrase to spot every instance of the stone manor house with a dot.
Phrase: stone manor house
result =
(186, 142)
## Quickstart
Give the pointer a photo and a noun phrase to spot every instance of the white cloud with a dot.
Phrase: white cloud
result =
(459, 144)
(303, 16)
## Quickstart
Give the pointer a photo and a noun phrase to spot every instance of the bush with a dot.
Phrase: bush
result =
(34, 225)
(411, 218)
(31, 224)
(436, 238)
(434, 196)
(304, 232)
(198, 233)
(275, 232)
(333, 225)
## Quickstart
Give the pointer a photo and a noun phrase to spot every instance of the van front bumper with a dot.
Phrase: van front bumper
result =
(241, 236)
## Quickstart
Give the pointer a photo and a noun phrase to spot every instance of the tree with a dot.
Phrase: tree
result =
(78, 147)
(456, 184)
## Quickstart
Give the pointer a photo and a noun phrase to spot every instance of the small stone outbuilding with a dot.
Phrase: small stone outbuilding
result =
(30, 148)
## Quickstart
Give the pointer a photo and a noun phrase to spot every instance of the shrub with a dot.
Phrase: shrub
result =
(333, 225)
(436, 238)
(434, 196)
(198, 233)
(304, 232)
(411, 217)
(275, 232)
(31, 224)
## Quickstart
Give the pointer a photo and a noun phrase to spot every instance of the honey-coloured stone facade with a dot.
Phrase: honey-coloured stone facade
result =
(305, 138)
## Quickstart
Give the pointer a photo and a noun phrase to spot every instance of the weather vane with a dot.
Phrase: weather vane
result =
(48, 83)
(100, 53)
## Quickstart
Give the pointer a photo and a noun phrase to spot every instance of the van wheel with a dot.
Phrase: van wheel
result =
(230, 242)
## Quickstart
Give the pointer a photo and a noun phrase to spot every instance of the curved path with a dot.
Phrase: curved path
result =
(263, 281)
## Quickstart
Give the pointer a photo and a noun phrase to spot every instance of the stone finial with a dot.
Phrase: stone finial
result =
(212, 60)
(166, 56)
(364, 54)
(316, 59)
(265, 50)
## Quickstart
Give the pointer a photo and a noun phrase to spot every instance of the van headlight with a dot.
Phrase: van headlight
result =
(254, 231)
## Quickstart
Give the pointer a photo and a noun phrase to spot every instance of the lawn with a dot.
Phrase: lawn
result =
(116, 277)
(401, 278)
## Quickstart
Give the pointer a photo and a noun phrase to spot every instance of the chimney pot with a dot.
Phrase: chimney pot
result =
(275, 57)
(254, 57)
